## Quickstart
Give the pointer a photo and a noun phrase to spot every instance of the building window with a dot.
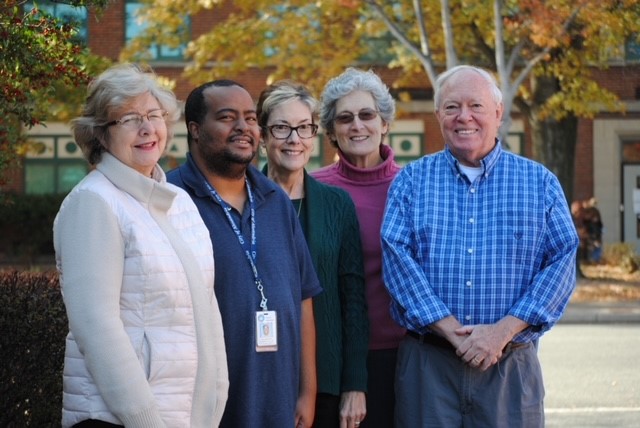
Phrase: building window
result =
(55, 166)
(407, 146)
(134, 27)
(632, 49)
(514, 143)
(631, 151)
(77, 16)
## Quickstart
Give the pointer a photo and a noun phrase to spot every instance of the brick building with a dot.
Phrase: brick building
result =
(608, 148)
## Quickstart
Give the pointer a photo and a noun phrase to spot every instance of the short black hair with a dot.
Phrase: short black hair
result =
(195, 108)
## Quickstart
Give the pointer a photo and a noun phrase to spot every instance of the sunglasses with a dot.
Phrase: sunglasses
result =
(364, 115)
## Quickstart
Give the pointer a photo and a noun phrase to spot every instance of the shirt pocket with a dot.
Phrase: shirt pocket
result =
(518, 236)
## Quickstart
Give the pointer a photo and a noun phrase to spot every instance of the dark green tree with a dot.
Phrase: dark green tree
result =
(41, 66)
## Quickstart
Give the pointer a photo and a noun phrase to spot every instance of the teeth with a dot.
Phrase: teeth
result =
(466, 131)
(359, 138)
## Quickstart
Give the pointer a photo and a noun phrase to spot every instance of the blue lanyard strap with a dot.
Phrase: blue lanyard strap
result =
(250, 250)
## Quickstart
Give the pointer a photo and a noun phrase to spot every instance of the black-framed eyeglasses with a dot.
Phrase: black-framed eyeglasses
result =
(348, 117)
(282, 132)
(134, 121)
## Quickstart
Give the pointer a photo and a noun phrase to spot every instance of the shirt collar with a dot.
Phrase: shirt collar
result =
(193, 178)
(487, 163)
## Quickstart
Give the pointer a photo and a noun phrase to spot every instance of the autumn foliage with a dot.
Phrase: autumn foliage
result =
(38, 56)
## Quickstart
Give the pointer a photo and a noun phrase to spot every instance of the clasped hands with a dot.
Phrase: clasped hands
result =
(481, 345)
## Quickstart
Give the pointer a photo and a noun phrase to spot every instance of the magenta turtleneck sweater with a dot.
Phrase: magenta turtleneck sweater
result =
(368, 189)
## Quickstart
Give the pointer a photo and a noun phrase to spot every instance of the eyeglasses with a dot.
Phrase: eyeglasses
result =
(134, 121)
(282, 132)
(348, 117)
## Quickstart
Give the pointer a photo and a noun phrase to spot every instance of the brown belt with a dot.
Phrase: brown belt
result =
(441, 342)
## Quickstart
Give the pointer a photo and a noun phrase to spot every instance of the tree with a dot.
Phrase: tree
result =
(295, 39)
(40, 68)
(552, 45)
(542, 51)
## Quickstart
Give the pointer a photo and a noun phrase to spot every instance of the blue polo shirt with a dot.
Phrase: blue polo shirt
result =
(263, 385)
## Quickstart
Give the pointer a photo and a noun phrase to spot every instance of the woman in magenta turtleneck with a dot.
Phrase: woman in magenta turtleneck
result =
(356, 113)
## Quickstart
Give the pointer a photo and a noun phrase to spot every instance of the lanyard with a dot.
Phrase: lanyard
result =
(250, 250)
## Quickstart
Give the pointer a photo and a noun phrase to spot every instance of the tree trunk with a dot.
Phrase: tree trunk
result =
(554, 140)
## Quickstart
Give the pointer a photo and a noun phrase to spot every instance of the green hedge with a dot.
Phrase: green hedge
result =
(33, 326)
(26, 223)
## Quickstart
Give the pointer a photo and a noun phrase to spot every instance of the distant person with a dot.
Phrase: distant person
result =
(265, 277)
(479, 258)
(356, 113)
(286, 115)
(577, 213)
(145, 345)
(594, 227)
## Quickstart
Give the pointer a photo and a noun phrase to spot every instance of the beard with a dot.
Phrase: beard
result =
(224, 162)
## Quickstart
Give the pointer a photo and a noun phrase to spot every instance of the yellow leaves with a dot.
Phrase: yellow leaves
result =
(166, 83)
(208, 4)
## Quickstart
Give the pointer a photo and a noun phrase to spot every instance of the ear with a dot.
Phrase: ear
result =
(194, 130)
(385, 128)
(499, 111)
(102, 139)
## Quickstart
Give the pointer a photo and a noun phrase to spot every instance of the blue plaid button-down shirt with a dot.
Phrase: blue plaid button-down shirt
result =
(502, 245)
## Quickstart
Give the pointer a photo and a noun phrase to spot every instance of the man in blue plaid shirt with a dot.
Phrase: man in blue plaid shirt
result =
(479, 258)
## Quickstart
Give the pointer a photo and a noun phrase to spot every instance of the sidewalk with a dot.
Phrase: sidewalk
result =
(602, 312)
(603, 301)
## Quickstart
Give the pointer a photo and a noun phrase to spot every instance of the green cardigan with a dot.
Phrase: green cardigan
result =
(342, 325)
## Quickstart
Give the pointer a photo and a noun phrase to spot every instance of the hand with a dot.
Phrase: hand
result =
(353, 408)
(483, 345)
(305, 411)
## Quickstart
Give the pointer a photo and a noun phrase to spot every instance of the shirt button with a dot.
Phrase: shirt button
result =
(470, 250)
(472, 190)
(468, 283)
(468, 317)
(471, 220)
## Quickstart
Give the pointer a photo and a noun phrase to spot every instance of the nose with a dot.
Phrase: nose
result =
(357, 122)
(146, 126)
(294, 137)
(464, 114)
(243, 125)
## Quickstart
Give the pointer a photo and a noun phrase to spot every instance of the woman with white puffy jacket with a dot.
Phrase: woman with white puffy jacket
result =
(145, 345)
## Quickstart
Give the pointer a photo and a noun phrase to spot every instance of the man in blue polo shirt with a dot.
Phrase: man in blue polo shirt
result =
(264, 277)
(479, 258)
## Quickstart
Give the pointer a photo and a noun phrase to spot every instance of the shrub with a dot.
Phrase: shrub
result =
(33, 323)
(621, 254)
(26, 226)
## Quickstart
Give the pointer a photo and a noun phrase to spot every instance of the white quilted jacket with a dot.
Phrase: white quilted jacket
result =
(145, 347)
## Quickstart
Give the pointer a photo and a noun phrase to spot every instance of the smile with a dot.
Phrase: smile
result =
(146, 145)
(292, 152)
(466, 131)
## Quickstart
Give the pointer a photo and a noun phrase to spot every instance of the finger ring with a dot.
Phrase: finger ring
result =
(476, 360)
(357, 424)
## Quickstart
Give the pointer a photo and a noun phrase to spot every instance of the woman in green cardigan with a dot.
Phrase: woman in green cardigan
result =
(286, 115)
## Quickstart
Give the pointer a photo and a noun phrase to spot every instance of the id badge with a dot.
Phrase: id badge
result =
(266, 331)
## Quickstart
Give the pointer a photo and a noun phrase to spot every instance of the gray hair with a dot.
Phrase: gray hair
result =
(114, 88)
(279, 93)
(442, 80)
(351, 80)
